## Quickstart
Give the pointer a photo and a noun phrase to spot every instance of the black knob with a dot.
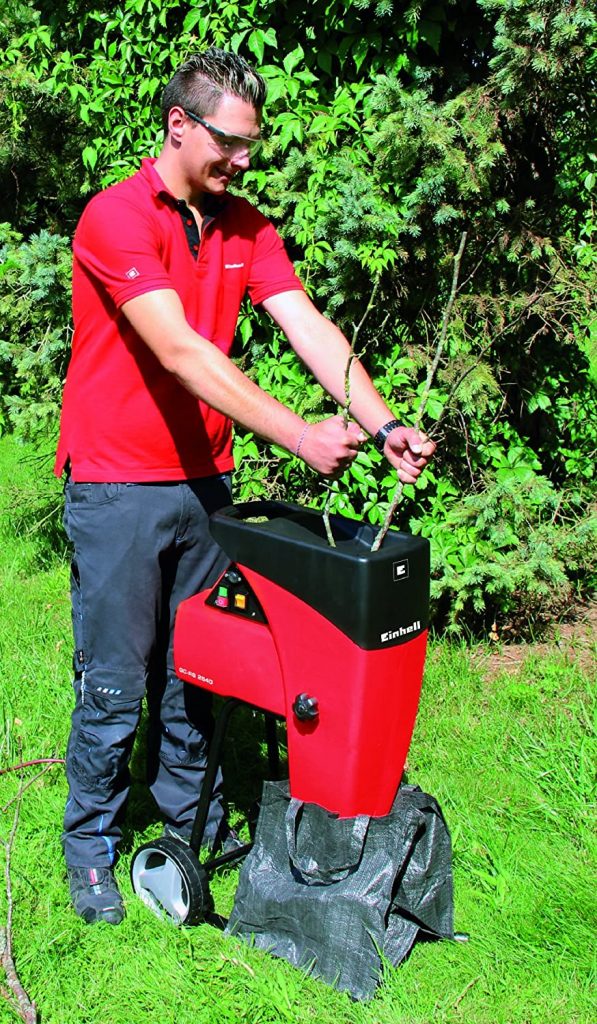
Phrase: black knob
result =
(305, 707)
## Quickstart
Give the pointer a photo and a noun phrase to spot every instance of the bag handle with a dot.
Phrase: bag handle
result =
(314, 869)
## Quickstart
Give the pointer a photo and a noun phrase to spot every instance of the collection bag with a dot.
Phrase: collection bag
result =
(337, 896)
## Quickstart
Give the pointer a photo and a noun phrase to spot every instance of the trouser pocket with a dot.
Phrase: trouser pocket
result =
(101, 740)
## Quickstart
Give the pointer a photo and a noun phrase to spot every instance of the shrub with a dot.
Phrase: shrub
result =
(34, 330)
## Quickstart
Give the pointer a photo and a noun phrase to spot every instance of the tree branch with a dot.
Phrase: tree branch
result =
(16, 995)
(356, 329)
(527, 306)
(427, 389)
(30, 782)
(29, 764)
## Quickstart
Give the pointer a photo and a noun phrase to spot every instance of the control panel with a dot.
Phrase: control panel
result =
(233, 594)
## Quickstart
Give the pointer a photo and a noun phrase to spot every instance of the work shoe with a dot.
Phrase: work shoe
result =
(95, 895)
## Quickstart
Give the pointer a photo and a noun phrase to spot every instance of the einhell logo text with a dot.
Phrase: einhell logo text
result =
(394, 634)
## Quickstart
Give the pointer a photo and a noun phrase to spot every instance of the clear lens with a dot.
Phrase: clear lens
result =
(229, 144)
(233, 144)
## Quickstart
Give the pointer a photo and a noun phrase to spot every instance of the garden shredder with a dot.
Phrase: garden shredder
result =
(331, 639)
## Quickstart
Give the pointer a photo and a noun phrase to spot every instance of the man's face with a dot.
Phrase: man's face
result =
(210, 160)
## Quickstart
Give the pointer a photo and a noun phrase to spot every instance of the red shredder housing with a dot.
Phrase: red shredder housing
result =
(300, 628)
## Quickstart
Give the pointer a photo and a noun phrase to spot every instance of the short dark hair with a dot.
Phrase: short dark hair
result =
(200, 83)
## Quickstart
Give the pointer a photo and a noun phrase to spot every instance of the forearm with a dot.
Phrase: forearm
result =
(211, 376)
(326, 446)
(325, 351)
(330, 364)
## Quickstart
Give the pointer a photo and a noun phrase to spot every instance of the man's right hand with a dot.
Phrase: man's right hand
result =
(329, 447)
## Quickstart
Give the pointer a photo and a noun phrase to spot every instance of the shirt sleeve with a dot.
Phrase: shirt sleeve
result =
(272, 271)
(117, 243)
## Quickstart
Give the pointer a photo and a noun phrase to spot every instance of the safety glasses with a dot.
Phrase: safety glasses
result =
(229, 144)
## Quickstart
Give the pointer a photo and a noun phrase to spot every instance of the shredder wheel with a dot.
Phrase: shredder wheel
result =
(167, 876)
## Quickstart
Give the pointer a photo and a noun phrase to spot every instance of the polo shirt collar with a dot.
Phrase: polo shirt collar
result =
(213, 204)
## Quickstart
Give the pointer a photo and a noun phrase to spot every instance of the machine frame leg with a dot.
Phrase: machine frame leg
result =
(214, 758)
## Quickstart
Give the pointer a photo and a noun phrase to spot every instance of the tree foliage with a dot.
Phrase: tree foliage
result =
(391, 128)
(35, 313)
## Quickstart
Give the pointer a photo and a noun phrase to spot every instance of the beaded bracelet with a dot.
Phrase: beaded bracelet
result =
(297, 450)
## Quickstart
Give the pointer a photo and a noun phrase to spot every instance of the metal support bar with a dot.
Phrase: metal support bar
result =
(271, 737)
(209, 779)
(211, 771)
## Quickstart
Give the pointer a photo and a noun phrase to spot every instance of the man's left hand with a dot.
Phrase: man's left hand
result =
(408, 451)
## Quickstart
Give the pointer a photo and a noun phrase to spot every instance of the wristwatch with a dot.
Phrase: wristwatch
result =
(380, 438)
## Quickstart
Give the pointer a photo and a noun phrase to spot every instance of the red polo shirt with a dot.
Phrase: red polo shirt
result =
(124, 417)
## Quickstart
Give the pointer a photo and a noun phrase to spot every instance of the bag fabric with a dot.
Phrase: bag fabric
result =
(337, 896)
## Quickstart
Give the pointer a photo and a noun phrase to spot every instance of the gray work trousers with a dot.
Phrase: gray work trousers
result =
(139, 550)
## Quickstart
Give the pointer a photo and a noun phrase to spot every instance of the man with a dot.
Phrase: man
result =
(161, 264)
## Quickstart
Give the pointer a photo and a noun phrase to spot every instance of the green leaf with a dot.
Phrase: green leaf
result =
(89, 156)
(293, 58)
(191, 19)
(256, 43)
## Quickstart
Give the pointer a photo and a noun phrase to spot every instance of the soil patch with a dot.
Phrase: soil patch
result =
(575, 639)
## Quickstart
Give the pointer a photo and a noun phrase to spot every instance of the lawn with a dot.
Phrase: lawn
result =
(509, 755)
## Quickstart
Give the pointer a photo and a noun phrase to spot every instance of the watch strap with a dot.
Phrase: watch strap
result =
(380, 438)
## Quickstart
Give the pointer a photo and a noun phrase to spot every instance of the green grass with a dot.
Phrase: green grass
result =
(508, 758)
